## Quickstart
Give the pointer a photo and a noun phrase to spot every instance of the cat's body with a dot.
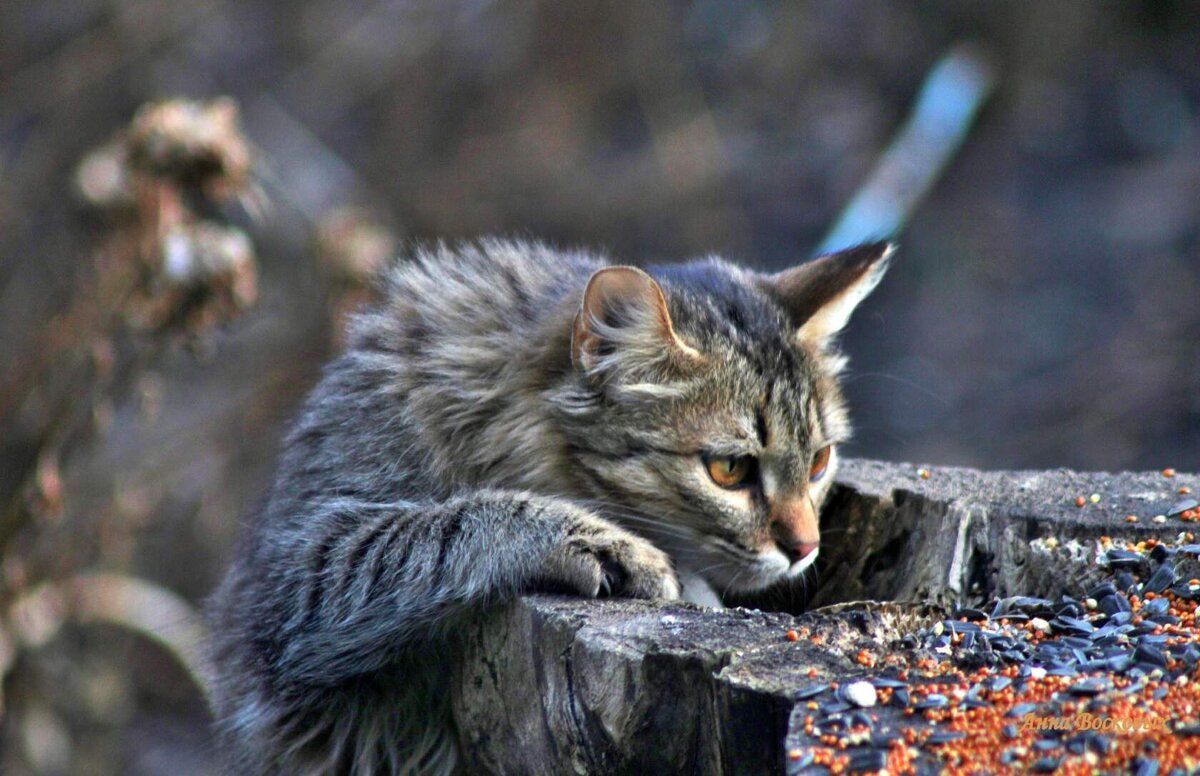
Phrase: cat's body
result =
(514, 419)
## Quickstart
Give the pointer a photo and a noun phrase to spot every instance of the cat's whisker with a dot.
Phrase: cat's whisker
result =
(721, 564)
(856, 376)
(652, 526)
(732, 582)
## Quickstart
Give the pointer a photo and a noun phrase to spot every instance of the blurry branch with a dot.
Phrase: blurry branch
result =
(952, 95)
(170, 268)
(150, 611)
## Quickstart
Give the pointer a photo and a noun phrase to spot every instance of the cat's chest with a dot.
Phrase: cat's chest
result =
(697, 591)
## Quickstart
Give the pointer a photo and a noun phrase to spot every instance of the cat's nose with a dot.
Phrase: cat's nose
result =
(798, 551)
(794, 528)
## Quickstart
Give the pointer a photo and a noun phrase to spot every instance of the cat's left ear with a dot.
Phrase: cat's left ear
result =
(820, 295)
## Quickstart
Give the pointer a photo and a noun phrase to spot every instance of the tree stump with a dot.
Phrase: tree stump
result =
(555, 685)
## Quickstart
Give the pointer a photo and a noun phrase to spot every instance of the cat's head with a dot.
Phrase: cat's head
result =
(704, 410)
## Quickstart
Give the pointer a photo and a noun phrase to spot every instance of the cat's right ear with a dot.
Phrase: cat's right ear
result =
(623, 322)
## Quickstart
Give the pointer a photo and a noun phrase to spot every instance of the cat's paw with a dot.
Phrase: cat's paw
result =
(599, 560)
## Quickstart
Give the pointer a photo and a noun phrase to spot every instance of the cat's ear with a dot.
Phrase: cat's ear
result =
(624, 319)
(820, 295)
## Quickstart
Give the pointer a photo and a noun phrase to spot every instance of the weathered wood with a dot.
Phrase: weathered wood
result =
(558, 685)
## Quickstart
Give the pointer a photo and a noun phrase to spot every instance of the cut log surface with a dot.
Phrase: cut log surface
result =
(553, 685)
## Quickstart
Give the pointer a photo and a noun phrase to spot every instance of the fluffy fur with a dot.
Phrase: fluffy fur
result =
(514, 419)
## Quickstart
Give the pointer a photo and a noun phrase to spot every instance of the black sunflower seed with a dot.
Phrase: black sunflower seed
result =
(973, 615)
(1163, 577)
(887, 681)
(1121, 618)
(1144, 766)
(945, 737)
(1068, 624)
(998, 683)
(1185, 591)
(1160, 552)
(1181, 506)
(812, 691)
(1021, 709)
(1114, 604)
(1147, 653)
(1123, 558)
(1088, 687)
(867, 760)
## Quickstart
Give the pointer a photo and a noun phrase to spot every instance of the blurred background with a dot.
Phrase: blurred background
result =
(167, 295)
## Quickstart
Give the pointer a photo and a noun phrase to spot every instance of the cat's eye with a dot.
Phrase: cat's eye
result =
(820, 464)
(730, 471)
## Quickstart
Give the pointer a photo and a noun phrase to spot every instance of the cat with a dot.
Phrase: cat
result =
(511, 419)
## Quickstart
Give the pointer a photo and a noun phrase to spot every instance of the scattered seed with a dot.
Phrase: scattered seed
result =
(792, 635)
(1080, 501)
(1125, 650)
(1168, 472)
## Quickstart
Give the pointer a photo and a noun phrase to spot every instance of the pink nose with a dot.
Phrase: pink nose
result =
(800, 550)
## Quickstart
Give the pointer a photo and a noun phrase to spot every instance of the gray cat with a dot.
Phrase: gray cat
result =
(516, 419)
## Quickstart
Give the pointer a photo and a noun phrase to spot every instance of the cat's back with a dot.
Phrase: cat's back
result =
(472, 296)
(454, 350)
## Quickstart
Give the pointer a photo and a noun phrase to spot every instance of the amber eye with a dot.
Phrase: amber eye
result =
(729, 471)
(820, 464)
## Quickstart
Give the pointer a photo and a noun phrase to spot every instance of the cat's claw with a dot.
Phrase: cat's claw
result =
(600, 560)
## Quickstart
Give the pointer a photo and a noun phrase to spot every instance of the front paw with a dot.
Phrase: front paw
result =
(599, 560)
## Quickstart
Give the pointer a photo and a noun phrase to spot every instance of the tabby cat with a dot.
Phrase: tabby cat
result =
(513, 419)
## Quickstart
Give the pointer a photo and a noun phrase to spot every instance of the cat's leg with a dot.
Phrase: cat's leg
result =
(359, 604)
(393, 576)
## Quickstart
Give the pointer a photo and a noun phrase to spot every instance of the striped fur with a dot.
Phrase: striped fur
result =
(457, 456)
